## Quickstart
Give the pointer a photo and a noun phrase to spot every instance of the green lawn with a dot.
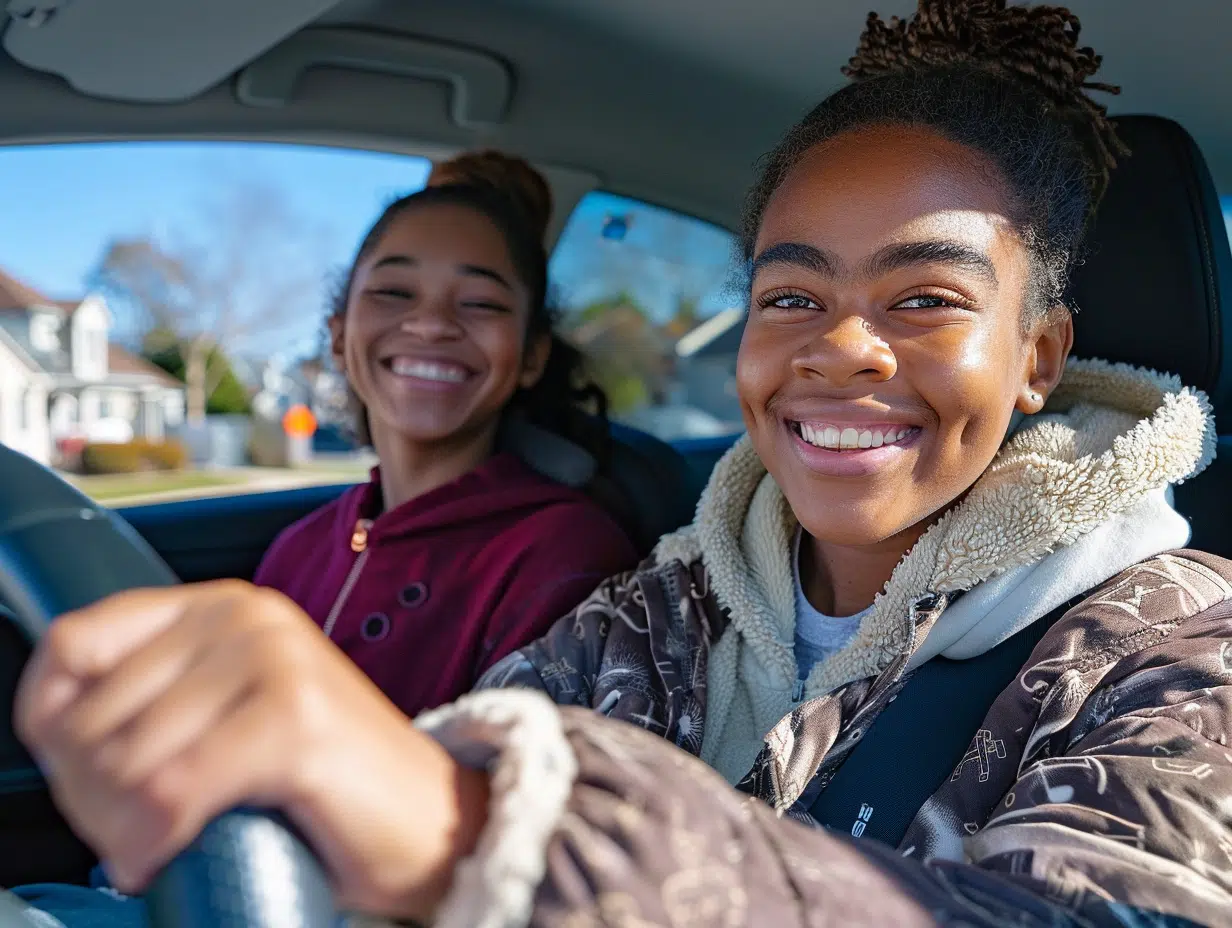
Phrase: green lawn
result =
(110, 488)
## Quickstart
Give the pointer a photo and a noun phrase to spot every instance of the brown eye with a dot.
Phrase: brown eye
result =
(395, 293)
(924, 302)
(787, 301)
(928, 301)
(795, 302)
(487, 306)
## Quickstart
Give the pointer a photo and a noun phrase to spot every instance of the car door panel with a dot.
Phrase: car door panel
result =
(223, 537)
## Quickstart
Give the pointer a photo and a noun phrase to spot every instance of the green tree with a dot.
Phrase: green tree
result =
(626, 354)
(225, 395)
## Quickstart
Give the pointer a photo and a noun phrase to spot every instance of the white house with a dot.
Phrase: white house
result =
(61, 377)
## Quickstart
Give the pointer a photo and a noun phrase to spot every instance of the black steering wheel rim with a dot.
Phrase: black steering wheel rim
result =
(59, 551)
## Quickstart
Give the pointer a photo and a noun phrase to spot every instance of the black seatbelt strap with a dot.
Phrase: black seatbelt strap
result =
(918, 740)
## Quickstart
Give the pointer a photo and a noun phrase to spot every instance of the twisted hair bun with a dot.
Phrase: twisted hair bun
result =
(509, 175)
(1034, 45)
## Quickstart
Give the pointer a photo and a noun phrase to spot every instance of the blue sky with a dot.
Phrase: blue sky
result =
(62, 204)
(65, 202)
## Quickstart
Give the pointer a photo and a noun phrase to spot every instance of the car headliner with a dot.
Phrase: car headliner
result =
(671, 102)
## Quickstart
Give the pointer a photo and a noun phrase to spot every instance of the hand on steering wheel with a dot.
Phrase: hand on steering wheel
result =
(156, 710)
(60, 553)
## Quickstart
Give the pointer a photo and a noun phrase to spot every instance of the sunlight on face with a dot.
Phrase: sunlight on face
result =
(884, 352)
(433, 340)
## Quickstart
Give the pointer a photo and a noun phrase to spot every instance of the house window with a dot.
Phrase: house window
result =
(44, 332)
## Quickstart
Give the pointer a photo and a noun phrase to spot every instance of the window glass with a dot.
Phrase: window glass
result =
(649, 295)
(225, 247)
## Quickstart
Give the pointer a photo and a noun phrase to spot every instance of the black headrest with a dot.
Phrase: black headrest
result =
(1158, 264)
(647, 487)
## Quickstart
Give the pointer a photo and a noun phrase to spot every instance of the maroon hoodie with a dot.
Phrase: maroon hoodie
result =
(425, 597)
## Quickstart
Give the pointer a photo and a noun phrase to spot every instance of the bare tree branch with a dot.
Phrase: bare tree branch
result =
(253, 270)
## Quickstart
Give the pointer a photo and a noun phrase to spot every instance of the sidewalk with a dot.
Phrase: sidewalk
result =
(123, 490)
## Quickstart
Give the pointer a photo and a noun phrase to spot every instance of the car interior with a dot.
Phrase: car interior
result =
(669, 103)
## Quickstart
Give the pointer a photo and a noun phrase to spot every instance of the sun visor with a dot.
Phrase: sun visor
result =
(150, 51)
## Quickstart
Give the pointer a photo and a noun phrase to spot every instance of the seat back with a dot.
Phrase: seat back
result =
(656, 480)
(1150, 290)
(647, 486)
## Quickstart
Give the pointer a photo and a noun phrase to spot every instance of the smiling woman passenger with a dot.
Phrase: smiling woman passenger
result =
(926, 473)
(456, 551)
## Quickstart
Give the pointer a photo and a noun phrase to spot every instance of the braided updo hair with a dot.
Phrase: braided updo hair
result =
(1009, 82)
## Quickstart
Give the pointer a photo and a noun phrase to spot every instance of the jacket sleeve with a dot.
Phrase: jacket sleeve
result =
(1122, 816)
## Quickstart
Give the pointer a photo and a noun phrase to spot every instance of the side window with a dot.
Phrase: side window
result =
(152, 284)
(647, 293)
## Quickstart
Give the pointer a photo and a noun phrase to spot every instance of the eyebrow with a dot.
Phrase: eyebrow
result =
(888, 259)
(470, 270)
(797, 254)
(914, 254)
(477, 270)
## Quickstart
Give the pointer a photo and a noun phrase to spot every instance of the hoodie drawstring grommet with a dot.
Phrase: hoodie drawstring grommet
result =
(375, 627)
(413, 594)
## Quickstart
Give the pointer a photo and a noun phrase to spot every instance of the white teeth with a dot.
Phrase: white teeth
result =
(829, 436)
(428, 370)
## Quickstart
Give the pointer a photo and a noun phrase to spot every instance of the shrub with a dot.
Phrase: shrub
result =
(133, 457)
(169, 455)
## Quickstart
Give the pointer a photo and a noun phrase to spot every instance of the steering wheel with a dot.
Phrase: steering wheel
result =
(58, 552)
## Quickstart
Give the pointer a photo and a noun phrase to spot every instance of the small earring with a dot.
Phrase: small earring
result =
(1035, 397)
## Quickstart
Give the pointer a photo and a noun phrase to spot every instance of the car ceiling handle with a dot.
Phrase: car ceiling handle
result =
(481, 84)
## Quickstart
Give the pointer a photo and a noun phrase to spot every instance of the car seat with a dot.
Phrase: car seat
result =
(1151, 288)
(647, 486)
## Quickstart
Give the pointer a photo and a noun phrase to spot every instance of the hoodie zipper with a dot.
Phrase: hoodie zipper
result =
(359, 544)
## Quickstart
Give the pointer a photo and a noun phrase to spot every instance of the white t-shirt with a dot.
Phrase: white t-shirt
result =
(818, 635)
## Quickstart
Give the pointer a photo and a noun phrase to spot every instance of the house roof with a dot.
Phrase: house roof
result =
(16, 295)
(18, 350)
(122, 361)
(15, 323)
(17, 298)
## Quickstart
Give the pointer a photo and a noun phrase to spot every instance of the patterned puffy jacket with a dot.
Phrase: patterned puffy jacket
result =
(1101, 787)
